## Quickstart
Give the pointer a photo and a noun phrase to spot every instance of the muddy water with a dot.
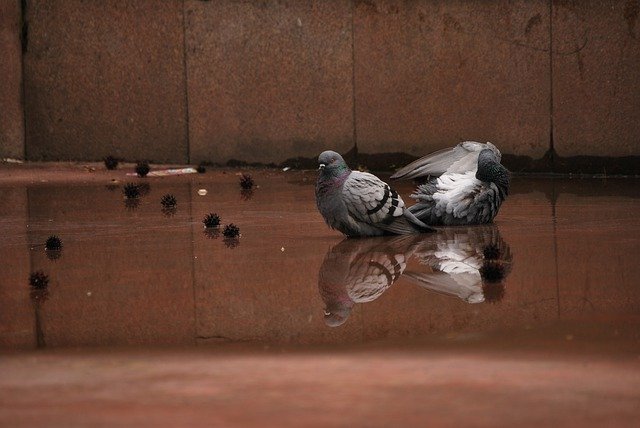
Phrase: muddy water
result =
(561, 251)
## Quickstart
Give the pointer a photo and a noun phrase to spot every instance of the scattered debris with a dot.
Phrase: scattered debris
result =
(39, 280)
(231, 231)
(211, 220)
(169, 205)
(131, 191)
(142, 168)
(169, 201)
(201, 169)
(53, 243)
(110, 162)
(492, 271)
(246, 181)
(172, 171)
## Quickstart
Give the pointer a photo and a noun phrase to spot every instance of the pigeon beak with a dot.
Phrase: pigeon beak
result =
(321, 166)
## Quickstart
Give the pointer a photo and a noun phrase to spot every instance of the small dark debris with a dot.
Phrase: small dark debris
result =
(246, 181)
(142, 168)
(201, 169)
(211, 220)
(231, 231)
(169, 201)
(53, 243)
(492, 271)
(131, 191)
(38, 280)
(111, 162)
(491, 252)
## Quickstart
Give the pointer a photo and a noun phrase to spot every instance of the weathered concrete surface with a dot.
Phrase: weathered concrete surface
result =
(11, 116)
(431, 74)
(596, 83)
(105, 78)
(268, 80)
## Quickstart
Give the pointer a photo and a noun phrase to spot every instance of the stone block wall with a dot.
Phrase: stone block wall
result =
(187, 81)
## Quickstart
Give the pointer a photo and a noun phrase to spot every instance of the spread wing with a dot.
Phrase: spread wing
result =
(371, 200)
(461, 158)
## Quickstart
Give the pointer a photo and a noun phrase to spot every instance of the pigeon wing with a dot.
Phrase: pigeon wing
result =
(371, 200)
(460, 159)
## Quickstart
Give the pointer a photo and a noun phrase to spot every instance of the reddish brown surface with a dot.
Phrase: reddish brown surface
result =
(267, 80)
(430, 74)
(105, 78)
(12, 116)
(596, 86)
(236, 337)
(367, 387)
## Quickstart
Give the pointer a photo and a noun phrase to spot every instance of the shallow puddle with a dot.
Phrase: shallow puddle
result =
(131, 273)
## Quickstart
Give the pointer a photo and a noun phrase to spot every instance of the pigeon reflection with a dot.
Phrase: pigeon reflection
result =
(469, 263)
(360, 271)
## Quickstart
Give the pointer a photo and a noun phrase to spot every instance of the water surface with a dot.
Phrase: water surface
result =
(560, 251)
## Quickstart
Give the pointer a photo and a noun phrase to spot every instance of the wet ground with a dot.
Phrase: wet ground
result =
(148, 319)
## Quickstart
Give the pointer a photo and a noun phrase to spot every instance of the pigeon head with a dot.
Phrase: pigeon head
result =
(490, 169)
(331, 163)
(337, 315)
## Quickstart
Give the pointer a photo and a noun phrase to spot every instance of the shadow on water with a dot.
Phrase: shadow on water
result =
(143, 276)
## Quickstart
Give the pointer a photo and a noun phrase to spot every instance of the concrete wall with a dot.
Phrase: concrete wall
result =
(11, 111)
(263, 81)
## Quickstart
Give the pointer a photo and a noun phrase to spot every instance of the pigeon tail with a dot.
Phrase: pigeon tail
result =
(407, 224)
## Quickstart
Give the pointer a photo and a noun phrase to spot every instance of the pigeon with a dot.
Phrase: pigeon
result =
(360, 271)
(360, 204)
(469, 263)
(466, 184)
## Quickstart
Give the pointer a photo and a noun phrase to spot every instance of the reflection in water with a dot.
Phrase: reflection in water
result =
(359, 271)
(470, 263)
(39, 293)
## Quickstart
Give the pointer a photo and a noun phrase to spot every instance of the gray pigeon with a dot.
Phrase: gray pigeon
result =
(360, 204)
(466, 184)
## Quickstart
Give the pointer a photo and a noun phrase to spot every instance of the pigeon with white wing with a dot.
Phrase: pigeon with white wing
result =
(466, 184)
